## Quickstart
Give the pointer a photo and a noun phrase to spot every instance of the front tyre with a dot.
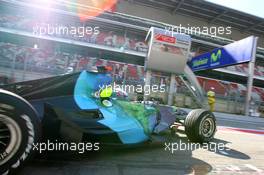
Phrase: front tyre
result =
(19, 130)
(200, 126)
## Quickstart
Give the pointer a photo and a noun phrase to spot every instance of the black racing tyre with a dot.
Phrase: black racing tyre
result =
(200, 126)
(19, 131)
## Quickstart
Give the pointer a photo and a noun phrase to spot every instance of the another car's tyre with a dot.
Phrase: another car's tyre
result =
(200, 126)
(19, 130)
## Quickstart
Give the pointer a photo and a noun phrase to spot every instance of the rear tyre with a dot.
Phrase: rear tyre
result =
(200, 126)
(19, 131)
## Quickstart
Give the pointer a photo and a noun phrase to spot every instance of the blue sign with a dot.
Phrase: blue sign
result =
(234, 53)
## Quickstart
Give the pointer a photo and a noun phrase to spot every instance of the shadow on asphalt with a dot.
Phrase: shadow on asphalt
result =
(229, 152)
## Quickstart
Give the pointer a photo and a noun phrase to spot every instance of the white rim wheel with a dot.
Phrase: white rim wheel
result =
(10, 138)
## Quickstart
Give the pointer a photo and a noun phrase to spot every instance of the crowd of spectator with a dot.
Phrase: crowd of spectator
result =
(53, 62)
(243, 68)
(96, 35)
(29, 59)
(107, 38)
(230, 89)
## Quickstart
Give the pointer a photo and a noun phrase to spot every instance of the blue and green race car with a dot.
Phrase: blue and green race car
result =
(75, 108)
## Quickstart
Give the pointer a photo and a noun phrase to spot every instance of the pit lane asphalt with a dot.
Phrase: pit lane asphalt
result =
(246, 155)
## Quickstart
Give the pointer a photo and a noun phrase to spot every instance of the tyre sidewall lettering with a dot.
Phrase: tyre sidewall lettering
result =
(27, 119)
(30, 140)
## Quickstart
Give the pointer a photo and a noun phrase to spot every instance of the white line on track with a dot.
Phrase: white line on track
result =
(254, 168)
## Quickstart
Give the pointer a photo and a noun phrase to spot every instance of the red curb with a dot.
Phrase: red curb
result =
(251, 131)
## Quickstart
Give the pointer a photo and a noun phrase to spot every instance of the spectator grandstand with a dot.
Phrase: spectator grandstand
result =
(26, 54)
(39, 28)
(38, 60)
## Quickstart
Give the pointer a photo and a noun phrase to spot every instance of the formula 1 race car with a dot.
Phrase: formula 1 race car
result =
(76, 108)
